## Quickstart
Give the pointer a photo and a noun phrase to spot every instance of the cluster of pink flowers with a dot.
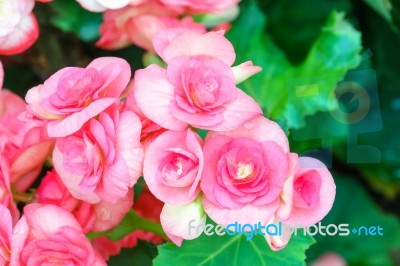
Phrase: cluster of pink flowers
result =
(137, 21)
(102, 130)
(125, 22)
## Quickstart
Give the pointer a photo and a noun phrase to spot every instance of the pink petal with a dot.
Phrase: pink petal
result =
(211, 148)
(5, 232)
(21, 38)
(286, 197)
(191, 43)
(141, 30)
(153, 94)
(248, 214)
(117, 73)
(19, 236)
(109, 214)
(175, 239)
(30, 160)
(176, 219)
(45, 220)
(329, 259)
(278, 242)
(238, 112)
(72, 123)
(163, 39)
(309, 216)
(128, 144)
(115, 182)
(245, 71)
(259, 129)
(71, 181)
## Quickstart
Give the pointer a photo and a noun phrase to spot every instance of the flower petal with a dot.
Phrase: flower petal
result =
(236, 113)
(248, 214)
(309, 216)
(177, 220)
(128, 144)
(21, 38)
(71, 181)
(72, 123)
(191, 43)
(153, 94)
(245, 71)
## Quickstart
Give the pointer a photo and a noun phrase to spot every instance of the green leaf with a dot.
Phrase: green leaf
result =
(236, 250)
(288, 92)
(382, 7)
(355, 207)
(141, 255)
(69, 16)
(379, 128)
(294, 25)
(129, 224)
(389, 10)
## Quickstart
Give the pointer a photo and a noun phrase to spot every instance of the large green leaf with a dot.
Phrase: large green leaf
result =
(355, 207)
(287, 92)
(378, 131)
(226, 250)
(142, 255)
(294, 25)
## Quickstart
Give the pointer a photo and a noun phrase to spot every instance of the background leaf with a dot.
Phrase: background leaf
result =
(287, 92)
(227, 250)
(142, 255)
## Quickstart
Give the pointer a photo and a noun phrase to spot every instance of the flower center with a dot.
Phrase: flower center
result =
(172, 171)
(244, 170)
(208, 84)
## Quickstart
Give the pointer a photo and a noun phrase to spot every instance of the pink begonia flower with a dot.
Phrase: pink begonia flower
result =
(200, 6)
(102, 5)
(139, 24)
(97, 217)
(198, 87)
(23, 144)
(47, 233)
(186, 221)
(173, 166)
(102, 160)
(72, 96)
(146, 206)
(6, 198)
(313, 192)
(6, 227)
(244, 172)
(18, 26)
(329, 259)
